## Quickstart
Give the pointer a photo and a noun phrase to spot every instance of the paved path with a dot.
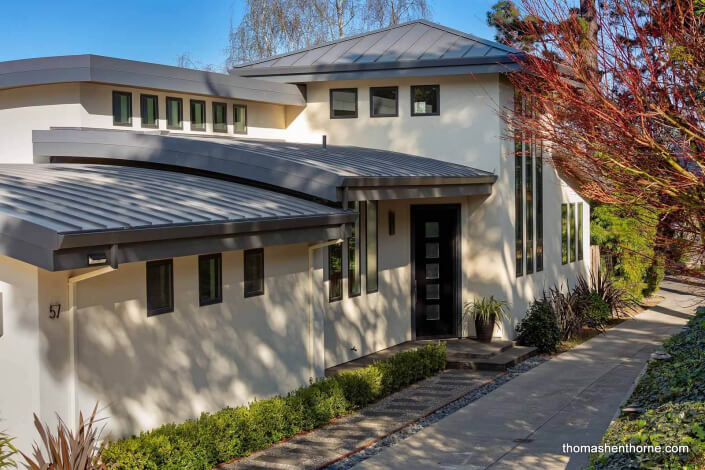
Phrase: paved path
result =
(570, 399)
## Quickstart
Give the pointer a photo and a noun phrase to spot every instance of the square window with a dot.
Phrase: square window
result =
(433, 291)
(198, 115)
(240, 119)
(384, 101)
(210, 279)
(122, 108)
(174, 113)
(220, 117)
(433, 271)
(432, 250)
(433, 312)
(425, 100)
(160, 287)
(149, 110)
(431, 229)
(254, 272)
(343, 103)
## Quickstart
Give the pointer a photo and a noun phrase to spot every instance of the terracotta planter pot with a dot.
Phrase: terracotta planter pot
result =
(484, 329)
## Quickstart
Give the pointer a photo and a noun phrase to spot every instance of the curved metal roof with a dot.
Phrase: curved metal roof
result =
(55, 207)
(303, 168)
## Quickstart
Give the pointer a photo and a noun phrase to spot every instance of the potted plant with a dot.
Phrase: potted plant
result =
(486, 311)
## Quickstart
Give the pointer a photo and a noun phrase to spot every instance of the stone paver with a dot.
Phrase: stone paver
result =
(358, 430)
(570, 399)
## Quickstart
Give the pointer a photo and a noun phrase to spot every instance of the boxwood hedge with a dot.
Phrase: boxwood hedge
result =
(235, 432)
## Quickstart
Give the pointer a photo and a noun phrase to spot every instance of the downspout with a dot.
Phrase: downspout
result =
(311, 249)
(73, 339)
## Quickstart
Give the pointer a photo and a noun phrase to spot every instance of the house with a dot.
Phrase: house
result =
(175, 241)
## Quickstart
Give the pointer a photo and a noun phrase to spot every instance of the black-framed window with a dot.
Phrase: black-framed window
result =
(335, 272)
(220, 117)
(122, 108)
(254, 272)
(371, 247)
(539, 206)
(210, 279)
(149, 110)
(564, 233)
(343, 103)
(160, 287)
(354, 285)
(240, 119)
(580, 231)
(518, 192)
(198, 115)
(174, 113)
(571, 232)
(529, 199)
(425, 100)
(384, 101)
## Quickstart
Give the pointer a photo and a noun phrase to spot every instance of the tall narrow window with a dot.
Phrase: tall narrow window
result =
(160, 287)
(539, 206)
(220, 117)
(335, 272)
(564, 233)
(254, 272)
(384, 101)
(571, 232)
(174, 113)
(343, 103)
(149, 110)
(122, 108)
(580, 230)
(354, 254)
(210, 279)
(529, 163)
(518, 193)
(240, 119)
(371, 267)
(198, 115)
(425, 100)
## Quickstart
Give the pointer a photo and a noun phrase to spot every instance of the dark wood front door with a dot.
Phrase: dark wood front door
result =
(435, 269)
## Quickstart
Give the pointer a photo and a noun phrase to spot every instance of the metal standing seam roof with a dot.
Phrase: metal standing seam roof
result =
(304, 168)
(109, 70)
(59, 206)
(414, 44)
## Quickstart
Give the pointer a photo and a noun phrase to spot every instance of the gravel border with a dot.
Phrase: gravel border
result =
(438, 415)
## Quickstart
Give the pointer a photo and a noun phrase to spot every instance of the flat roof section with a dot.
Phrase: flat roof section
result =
(334, 173)
(55, 215)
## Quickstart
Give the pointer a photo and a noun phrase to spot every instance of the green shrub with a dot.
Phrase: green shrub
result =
(594, 311)
(653, 277)
(235, 432)
(539, 328)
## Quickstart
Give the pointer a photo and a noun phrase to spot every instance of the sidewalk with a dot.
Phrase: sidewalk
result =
(570, 399)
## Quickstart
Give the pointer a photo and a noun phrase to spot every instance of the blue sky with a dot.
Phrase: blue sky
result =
(155, 30)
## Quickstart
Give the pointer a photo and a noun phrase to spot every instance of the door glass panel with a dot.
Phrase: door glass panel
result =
(433, 312)
(432, 271)
(431, 229)
(432, 250)
(433, 291)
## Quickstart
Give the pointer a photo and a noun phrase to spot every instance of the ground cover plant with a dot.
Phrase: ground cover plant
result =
(672, 395)
(235, 432)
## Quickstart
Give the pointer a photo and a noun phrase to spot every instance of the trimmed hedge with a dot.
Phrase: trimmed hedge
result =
(672, 393)
(539, 328)
(236, 432)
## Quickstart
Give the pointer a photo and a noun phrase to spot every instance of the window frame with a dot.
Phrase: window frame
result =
(117, 93)
(396, 107)
(225, 116)
(252, 293)
(331, 298)
(579, 238)
(181, 113)
(438, 100)
(143, 107)
(538, 183)
(572, 222)
(190, 115)
(564, 234)
(330, 103)
(356, 274)
(219, 263)
(151, 312)
(244, 107)
(368, 290)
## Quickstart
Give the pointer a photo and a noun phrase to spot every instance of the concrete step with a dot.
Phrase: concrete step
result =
(499, 362)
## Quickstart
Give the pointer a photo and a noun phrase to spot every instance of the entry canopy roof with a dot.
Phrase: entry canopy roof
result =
(60, 216)
(334, 173)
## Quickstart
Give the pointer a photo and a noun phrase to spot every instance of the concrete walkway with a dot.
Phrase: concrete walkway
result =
(570, 399)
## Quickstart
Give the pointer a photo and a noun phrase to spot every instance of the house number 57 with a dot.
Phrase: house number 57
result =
(54, 311)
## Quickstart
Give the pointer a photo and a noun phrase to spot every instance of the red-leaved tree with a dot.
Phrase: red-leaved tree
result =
(619, 92)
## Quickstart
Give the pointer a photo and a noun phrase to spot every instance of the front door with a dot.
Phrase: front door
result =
(435, 269)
